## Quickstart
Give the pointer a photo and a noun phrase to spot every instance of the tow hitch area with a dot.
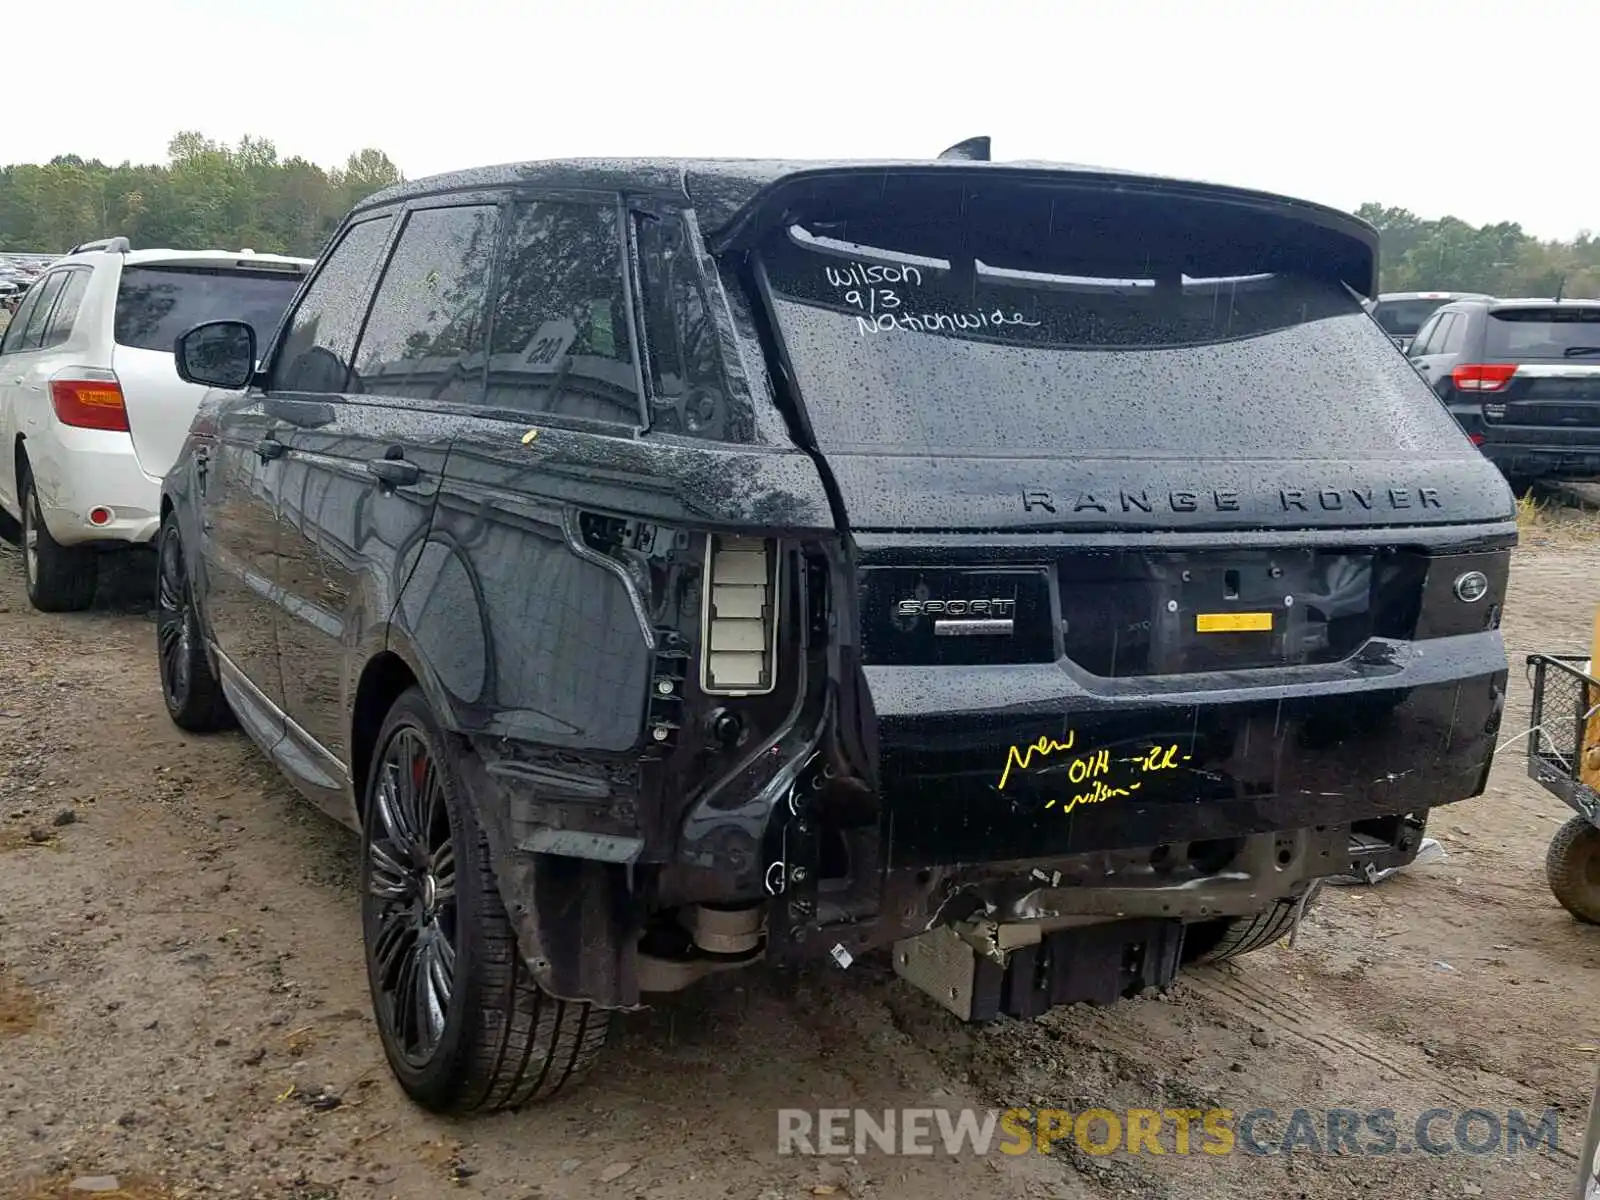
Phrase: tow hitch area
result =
(980, 971)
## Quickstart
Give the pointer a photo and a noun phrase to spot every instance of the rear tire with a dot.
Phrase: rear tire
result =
(1232, 937)
(463, 1024)
(1572, 865)
(59, 578)
(195, 700)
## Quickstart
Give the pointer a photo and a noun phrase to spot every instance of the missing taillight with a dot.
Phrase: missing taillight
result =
(739, 636)
(90, 400)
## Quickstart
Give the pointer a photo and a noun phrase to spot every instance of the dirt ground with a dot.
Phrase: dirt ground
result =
(183, 1003)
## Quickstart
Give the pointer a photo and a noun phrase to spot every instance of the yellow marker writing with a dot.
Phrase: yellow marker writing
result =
(1021, 757)
(1162, 759)
(1102, 792)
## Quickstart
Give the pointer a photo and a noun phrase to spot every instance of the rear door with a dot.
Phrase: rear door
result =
(533, 626)
(156, 302)
(29, 362)
(1436, 345)
(365, 453)
(13, 379)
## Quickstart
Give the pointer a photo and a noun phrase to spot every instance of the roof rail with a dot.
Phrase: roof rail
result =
(114, 245)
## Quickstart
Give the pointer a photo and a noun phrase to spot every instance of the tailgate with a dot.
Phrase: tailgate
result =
(1548, 395)
(1153, 526)
(1068, 699)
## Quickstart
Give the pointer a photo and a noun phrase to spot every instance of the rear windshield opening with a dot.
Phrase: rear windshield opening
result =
(1402, 318)
(997, 346)
(1543, 333)
(156, 305)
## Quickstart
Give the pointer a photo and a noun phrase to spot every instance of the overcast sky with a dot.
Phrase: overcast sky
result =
(1471, 107)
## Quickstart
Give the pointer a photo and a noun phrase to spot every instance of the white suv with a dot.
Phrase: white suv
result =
(92, 412)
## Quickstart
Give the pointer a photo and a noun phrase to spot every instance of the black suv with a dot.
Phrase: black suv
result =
(1523, 379)
(1045, 573)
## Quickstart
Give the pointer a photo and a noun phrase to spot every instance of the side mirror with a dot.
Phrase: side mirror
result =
(217, 354)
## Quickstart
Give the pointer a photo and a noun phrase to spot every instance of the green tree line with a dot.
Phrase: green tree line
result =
(206, 195)
(211, 194)
(1449, 255)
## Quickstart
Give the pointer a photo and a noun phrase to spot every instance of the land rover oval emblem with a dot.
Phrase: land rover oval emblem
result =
(1472, 587)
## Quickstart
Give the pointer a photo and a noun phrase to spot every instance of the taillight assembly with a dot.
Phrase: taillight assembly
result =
(739, 635)
(1482, 377)
(89, 399)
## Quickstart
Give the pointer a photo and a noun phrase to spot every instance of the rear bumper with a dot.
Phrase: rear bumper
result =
(1534, 460)
(1071, 765)
(77, 470)
(1184, 799)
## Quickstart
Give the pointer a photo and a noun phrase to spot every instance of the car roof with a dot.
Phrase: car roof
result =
(1545, 302)
(1446, 296)
(719, 188)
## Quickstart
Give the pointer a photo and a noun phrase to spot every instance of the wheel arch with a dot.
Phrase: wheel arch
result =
(392, 666)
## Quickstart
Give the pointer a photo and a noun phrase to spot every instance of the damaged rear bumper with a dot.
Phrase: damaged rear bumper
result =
(1082, 800)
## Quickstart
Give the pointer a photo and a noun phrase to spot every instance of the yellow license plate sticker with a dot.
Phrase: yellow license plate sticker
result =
(1256, 622)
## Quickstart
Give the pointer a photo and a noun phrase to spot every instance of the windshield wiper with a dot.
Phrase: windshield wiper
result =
(1580, 351)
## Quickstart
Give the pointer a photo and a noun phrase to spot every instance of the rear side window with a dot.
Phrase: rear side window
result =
(1455, 334)
(424, 338)
(33, 332)
(561, 343)
(1554, 332)
(20, 321)
(319, 344)
(67, 304)
(156, 304)
(911, 353)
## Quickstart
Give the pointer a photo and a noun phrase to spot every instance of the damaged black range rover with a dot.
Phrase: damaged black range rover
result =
(1042, 573)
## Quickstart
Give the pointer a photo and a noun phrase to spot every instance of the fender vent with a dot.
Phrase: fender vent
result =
(739, 636)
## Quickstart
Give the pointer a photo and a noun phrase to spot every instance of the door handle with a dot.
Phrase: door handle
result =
(396, 472)
(270, 448)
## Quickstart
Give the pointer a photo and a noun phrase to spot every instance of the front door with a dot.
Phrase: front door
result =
(364, 465)
(238, 489)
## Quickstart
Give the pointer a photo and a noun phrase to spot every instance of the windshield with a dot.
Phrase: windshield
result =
(156, 305)
(1402, 318)
(900, 354)
(1572, 332)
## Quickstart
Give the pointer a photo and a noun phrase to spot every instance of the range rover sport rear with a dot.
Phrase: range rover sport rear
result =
(1168, 587)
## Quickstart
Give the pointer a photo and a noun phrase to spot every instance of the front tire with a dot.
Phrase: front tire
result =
(1572, 865)
(464, 1026)
(59, 578)
(195, 700)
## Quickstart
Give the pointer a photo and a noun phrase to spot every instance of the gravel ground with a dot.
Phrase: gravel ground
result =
(183, 1005)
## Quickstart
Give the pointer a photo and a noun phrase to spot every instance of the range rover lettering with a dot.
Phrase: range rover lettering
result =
(1041, 575)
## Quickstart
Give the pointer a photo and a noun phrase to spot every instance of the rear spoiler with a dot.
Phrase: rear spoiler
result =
(1206, 229)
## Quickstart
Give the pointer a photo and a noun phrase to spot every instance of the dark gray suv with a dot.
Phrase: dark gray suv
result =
(1043, 574)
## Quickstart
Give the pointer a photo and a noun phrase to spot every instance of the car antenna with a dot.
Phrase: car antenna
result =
(973, 149)
(1561, 287)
